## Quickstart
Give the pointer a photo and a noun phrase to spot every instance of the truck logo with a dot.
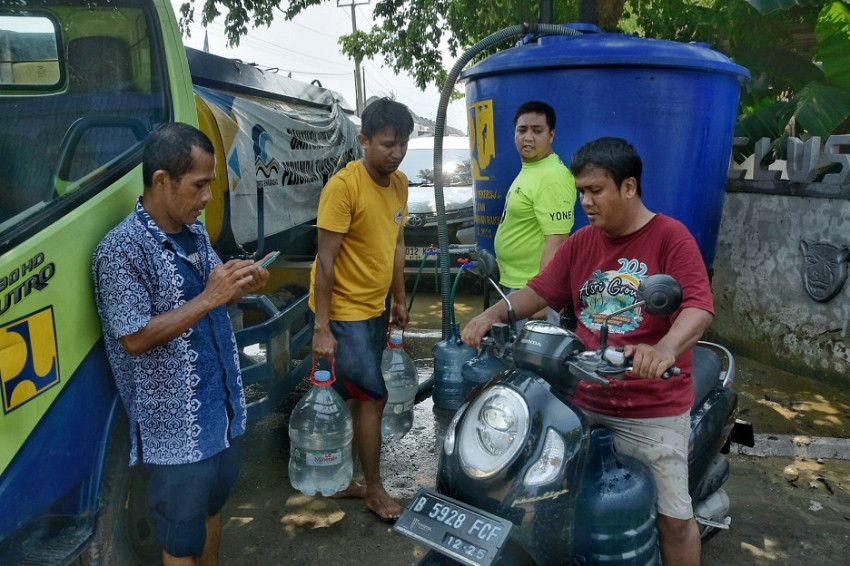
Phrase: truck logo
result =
(481, 137)
(29, 359)
(264, 163)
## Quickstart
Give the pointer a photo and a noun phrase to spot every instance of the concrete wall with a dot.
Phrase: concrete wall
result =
(763, 309)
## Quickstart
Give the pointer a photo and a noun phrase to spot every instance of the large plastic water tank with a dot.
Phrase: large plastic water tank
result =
(675, 102)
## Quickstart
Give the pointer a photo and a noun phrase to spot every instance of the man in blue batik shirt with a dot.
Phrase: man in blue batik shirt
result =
(162, 295)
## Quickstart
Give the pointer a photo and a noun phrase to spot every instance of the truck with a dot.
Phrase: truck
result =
(82, 84)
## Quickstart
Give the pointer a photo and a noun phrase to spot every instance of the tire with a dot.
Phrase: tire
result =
(124, 534)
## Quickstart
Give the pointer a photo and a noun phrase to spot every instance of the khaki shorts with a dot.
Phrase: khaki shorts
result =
(661, 444)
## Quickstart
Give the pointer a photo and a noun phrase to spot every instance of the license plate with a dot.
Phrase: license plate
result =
(415, 253)
(453, 528)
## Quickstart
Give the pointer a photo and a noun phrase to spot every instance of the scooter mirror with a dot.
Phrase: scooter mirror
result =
(487, 268)
(661, 294)
(485, 265)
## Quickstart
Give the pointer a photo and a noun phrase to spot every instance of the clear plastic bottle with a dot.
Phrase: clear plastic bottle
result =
(320, 433)
(399, 374)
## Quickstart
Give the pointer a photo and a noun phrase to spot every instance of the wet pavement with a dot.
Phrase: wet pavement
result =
(788, 506)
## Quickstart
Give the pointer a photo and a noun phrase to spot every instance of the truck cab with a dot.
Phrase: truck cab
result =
(82, 84)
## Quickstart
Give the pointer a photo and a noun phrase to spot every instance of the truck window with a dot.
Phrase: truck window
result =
(29, 56)
(75, 100)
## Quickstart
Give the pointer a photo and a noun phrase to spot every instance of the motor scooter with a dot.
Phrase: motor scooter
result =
(515, 459)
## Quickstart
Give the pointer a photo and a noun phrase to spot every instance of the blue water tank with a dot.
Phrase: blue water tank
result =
(675, 102)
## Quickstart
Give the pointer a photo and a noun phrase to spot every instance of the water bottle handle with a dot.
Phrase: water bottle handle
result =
(389, 333)
(313, 373)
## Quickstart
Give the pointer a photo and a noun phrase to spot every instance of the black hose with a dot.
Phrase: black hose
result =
(439, 129)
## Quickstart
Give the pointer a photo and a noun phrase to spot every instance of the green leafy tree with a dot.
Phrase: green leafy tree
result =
(799, 93)
(408, 35)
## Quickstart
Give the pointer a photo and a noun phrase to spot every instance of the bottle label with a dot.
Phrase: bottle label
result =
(324, 457)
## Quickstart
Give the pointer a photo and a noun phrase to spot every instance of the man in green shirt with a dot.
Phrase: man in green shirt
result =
(539, 205)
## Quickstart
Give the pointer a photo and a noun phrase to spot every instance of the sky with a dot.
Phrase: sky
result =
(307, 47)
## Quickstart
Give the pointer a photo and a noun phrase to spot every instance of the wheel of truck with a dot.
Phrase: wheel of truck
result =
(124, 533)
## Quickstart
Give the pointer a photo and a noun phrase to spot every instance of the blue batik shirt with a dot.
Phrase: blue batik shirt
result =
(184, 397)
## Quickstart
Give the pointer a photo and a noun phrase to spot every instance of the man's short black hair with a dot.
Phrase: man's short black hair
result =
(615, 155)
(385, 113)
(536, 107)
(169, 147)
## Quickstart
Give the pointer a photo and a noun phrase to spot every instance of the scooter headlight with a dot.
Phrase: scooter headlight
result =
(547, 468)
(493, 432)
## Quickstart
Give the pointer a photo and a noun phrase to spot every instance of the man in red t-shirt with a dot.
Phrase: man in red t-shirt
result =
(597, 271)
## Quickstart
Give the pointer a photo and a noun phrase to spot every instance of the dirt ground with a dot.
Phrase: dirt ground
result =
(785, 510)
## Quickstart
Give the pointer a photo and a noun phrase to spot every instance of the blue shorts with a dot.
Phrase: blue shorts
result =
(182, 496)
(359, 345)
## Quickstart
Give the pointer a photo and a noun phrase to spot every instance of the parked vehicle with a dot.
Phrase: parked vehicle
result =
(420, 231)
(82, 84)
(515, 479)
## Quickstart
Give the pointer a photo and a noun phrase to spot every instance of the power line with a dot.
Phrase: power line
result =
(293, 22)
(359, 87)
(267, 46)
(365, 16)
(381, 80)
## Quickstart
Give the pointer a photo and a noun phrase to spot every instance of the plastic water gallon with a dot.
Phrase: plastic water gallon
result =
(449, 356)
(400, 377)
(615, 509)
(320, 433)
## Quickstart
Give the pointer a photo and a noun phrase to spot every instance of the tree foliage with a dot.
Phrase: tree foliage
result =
(408, 35)
(799, 93)
(795, 84)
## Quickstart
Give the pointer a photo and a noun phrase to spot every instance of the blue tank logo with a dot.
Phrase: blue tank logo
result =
(29, 359)
(482, 137)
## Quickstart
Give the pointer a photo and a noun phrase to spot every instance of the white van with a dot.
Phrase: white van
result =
(420, 231)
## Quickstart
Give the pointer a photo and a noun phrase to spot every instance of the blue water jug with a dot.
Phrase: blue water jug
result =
(615, 509)
(449, 356)
(480, 369)
(320, 433)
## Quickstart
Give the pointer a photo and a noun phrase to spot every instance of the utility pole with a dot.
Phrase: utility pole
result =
(359, 87)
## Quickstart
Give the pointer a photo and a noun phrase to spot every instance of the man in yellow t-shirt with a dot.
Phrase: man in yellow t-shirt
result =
(539, 205)
(360, 258)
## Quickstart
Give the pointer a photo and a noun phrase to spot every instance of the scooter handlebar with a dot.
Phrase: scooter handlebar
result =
(618, 364)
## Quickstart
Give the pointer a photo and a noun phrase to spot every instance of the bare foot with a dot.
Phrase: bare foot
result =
(354, 489)
(379, 502)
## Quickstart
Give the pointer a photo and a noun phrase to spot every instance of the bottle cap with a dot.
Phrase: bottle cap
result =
(322, 375)
(396, 339)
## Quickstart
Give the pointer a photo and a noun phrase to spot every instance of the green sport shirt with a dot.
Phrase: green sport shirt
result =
(540, 203)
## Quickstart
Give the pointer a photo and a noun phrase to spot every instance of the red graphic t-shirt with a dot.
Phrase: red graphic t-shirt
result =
(598, 274)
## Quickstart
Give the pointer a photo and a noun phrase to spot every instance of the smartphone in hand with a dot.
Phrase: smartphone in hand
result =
(268, 261)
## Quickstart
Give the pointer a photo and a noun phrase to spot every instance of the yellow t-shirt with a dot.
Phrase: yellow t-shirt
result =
(370, 217)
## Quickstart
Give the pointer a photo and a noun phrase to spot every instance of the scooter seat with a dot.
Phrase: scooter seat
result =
(707, 367)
